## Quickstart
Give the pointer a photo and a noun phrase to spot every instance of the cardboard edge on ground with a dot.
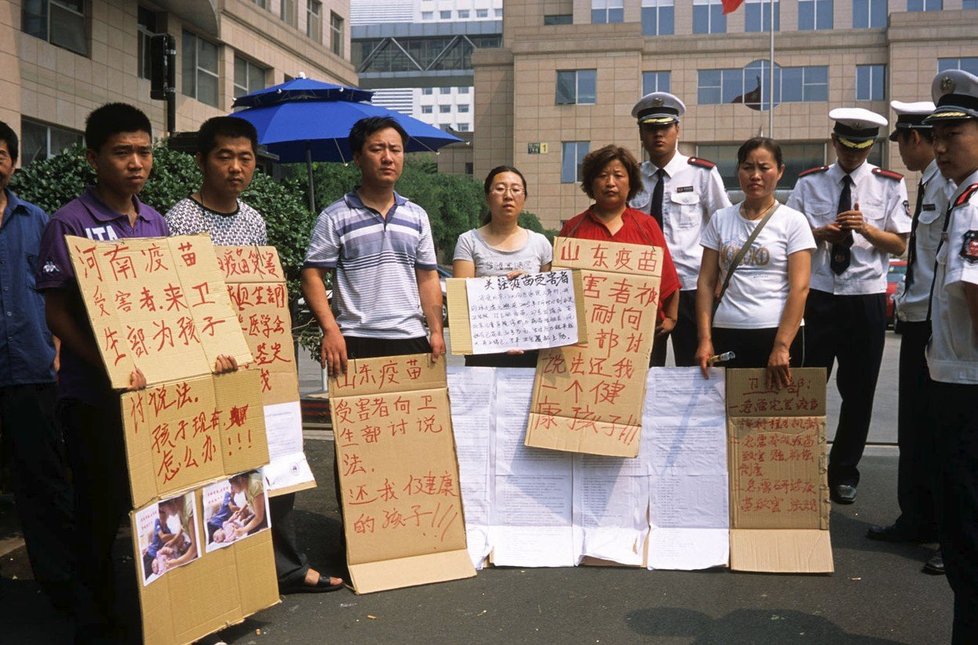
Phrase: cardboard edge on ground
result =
(781, 550)
(563, 437)
(412, 571)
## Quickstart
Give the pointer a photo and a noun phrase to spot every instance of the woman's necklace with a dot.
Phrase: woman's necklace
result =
(768, 209)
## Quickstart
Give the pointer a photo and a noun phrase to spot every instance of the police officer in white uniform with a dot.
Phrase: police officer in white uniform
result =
(858, 214)
(952, 355)
(915, 482)
(681, 193)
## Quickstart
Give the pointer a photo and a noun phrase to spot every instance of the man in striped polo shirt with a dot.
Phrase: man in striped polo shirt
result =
(378, 246)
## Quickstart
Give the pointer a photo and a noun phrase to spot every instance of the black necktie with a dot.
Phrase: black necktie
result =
(655, 208)
(912, 245)
(842, 251)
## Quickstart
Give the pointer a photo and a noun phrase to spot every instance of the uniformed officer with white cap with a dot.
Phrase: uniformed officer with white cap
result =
(916, 473)
(858, 214)
(952, 355)
(681, 193)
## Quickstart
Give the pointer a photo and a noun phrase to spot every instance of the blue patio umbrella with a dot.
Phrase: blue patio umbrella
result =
(305, 127)
(302, 88)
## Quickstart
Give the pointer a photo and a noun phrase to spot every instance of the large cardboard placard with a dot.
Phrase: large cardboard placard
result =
(531, 311)
(257, 291)
(399, 481)
(779, 502)
(159, 304)
(588, 397)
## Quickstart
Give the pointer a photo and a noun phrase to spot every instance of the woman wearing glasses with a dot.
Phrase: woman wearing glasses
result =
(502, 247)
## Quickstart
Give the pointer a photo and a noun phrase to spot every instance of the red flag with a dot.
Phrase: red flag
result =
(729, 6)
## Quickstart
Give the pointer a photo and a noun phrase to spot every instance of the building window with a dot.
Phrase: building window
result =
(336, 34)
(499, 13)
(445, 15)
(749, 85)
(558, 19)
(146, 26)
(427, 15)
(869, 14)
(463, 14)
(39, 140)
(798, 157)
(658, 17)
(261, 3)
(969, 4)
(60, 22)
(200, 75)
(444, 90)
(576, 86)
(463, 127)
(870, 82)
(288, 12)
(572, 154)
(463, 108)
(465, 89)
(314, 20)
(925, 5)
(757, 16)
(655, 82)
(481, 13)
(426, 109)
(426, 91)
(969, 64)
(708, 17)
(814, 15)
(444, 109)
(607, 11)
(248, 77)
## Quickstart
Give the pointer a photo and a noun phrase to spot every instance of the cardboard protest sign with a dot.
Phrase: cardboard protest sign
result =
(212, 590)
(257, 291)
(588, 397)
(158, 304)
(779, 502)
(399, 481)
(183, 432)
(167, 536)
(532, 311)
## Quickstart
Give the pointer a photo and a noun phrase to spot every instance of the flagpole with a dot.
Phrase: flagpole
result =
(770, 87)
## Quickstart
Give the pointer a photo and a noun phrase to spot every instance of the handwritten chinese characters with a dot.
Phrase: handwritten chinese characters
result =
(777, 451)
(396, 458)
(183, 432)
(588, 397)
(531, 311)
(158, 304)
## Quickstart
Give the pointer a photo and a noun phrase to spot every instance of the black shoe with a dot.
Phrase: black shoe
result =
(843, 493)
(935, 566)
(898, 533)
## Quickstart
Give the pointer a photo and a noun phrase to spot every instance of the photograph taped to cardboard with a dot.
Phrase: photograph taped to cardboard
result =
(168, 535)
(234, 509)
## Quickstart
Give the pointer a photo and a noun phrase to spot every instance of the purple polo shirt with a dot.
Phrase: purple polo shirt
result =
(88, 217)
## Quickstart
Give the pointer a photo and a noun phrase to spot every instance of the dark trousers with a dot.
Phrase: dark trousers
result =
(684, 337)
(96, 453)
(291, 564)
(40, 486)
(752, 347)
(849, 330)
(956, 431)
(915, 435)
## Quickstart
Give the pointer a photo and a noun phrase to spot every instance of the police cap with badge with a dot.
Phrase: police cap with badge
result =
(856, 128)
(659, 108)
(910, 116)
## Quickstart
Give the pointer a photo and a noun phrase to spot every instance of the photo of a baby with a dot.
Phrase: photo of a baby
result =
(234, 509)
(168, 535)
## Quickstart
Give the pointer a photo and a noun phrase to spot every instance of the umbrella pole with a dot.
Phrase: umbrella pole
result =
(312, 186)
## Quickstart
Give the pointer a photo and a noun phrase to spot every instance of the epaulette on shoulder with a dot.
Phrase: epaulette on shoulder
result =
(812, 171)
(702, 163)
(889, 174)
(965, 195)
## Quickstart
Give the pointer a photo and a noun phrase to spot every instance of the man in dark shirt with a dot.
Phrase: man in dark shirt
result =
(28, 390)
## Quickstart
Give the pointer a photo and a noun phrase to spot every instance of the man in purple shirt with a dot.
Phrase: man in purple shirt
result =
(28, 390)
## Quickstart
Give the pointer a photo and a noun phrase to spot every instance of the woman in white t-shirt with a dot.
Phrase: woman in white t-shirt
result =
(502, 247)
(760, 314)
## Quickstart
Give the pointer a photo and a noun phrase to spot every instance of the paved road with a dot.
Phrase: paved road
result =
(877, 594)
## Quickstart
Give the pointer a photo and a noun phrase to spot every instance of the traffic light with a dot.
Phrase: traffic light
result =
(163, 74)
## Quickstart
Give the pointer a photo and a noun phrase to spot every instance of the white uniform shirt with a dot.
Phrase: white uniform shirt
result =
(690, 196)
(911, 304)
(952, 355)
(883, 202)
(758, 289)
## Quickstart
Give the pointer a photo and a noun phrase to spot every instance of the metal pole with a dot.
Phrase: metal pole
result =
(770, 86)
(312, 185)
